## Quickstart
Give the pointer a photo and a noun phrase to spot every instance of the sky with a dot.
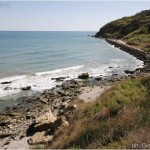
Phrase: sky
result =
(64, 15)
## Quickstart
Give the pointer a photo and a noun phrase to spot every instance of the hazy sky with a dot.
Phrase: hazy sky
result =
(65, 16)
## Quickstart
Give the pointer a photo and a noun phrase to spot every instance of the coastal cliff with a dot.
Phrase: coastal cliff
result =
(134, 30)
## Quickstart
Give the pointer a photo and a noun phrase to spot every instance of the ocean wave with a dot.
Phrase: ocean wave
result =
(59, 70)
(39, 81)
(13, 78)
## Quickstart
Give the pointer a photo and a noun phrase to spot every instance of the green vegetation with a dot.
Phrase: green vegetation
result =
(119, 118)
(134, 30)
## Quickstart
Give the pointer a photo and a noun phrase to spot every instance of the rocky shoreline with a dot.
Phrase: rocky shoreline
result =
(37, 119)
(139, 54)
(34, 120)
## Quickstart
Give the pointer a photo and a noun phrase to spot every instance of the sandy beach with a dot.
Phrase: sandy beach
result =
(90, 94)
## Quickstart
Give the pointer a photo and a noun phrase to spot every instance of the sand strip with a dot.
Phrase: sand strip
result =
(91, 93)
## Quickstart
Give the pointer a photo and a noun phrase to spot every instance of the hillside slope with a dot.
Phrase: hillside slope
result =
(134, 30)
(118, 119)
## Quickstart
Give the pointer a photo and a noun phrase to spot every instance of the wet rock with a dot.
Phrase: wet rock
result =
(59, 79)
(44, 122)
(40, 138)
(129, 72)
(26, 88)
(98, 78)
(83, 76)
(115, 74)
(6, 82)
(7, 88)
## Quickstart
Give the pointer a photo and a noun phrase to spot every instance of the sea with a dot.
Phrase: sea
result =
(34, 58)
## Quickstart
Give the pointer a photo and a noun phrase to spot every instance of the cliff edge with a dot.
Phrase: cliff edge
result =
(134, 30)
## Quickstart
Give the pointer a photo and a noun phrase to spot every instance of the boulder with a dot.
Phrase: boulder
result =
(98, 78)
(60, 122)
(115, 74)
(83, 76)
(44, 122)
(6, 82)
(26, 88)
(129, 72)
(39, 138)
(59, 79)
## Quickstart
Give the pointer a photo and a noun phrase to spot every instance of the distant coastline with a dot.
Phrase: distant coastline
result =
(139, 54)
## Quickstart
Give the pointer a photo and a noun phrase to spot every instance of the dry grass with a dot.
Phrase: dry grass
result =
(120, 113)
(135, 139)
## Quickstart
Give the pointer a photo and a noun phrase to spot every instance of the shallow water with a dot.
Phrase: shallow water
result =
(33, 58)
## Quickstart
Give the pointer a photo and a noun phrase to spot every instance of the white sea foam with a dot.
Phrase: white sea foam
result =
(59, 70)
(39, 81)
(13, 78)
(43, 80)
